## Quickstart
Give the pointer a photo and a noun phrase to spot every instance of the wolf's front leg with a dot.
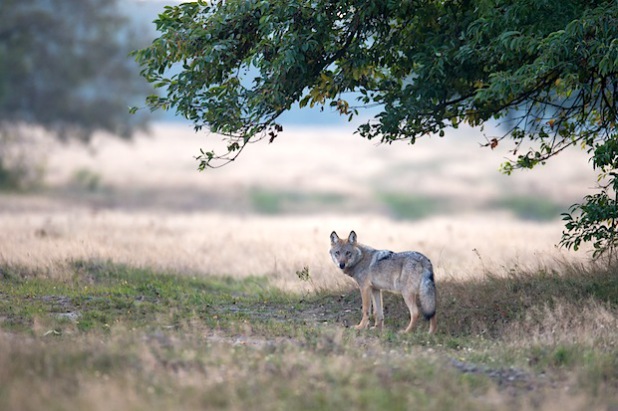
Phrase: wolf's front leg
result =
(378, 312)
(366, 298)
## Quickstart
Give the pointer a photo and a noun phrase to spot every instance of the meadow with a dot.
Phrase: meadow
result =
(131, 281)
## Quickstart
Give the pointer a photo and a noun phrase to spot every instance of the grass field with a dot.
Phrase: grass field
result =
(130, 281)
(115, 337)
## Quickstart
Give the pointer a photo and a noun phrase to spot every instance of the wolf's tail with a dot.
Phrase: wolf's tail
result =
(427, 294)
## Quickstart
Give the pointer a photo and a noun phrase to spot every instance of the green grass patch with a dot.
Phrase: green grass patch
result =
(102, 293)
(86, 180)
(533, 208)
(412, 207)
(267, 201)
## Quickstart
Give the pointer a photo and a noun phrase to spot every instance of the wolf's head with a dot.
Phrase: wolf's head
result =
(345, 253)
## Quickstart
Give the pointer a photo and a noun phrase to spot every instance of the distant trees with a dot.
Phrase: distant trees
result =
(64, 66)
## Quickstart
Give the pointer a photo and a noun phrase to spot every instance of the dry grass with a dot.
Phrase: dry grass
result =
(144, 204)
(149, 206)
(566, 304)
(576, 305)
(278, 246)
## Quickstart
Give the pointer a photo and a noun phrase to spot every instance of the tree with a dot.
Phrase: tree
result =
(64, 66)
(548, 65)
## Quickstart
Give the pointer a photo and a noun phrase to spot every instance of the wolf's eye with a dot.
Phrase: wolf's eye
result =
(336, 253)
(348, 254)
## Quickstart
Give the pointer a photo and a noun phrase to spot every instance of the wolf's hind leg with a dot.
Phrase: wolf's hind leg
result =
(410, 300)
(433, 325)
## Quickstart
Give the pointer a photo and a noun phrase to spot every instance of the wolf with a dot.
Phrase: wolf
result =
(408, 273)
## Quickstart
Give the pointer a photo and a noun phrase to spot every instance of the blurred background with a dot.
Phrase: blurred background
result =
(82, 178)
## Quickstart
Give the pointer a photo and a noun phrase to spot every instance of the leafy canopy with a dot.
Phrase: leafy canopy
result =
(546, 67)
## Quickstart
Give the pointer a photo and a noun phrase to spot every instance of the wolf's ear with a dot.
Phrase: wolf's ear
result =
(334, 238)
(352, 237)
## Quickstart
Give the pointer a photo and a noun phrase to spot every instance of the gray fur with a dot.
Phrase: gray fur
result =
(409, 273)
